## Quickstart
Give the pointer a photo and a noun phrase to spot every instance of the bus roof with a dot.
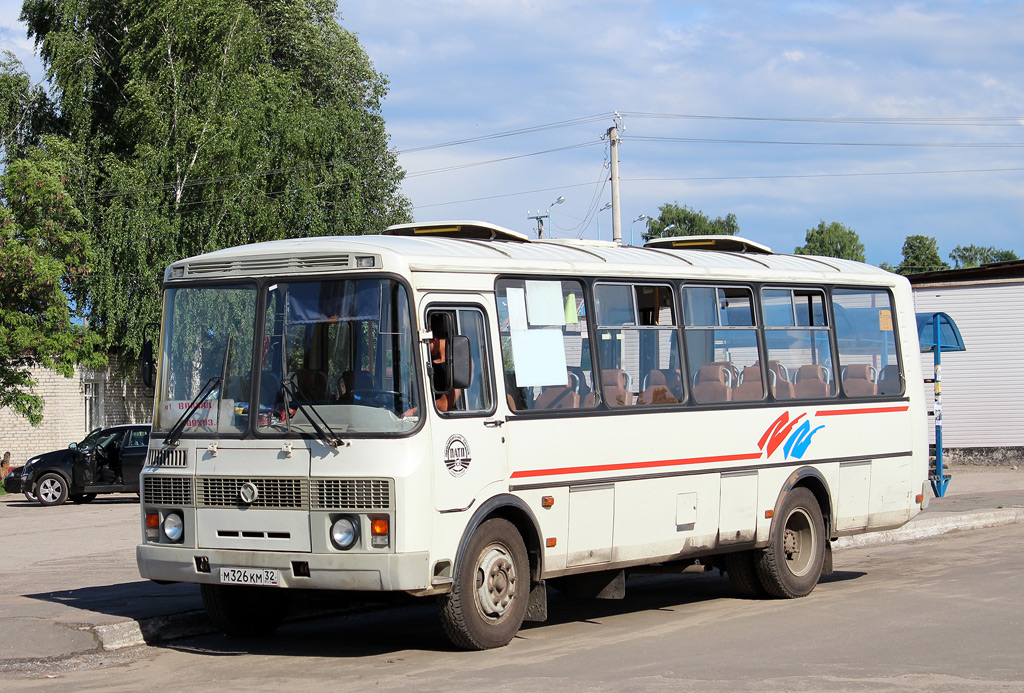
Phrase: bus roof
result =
(478, 247)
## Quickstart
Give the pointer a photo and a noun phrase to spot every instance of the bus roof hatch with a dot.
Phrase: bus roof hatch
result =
(477, 230)
(733, 244)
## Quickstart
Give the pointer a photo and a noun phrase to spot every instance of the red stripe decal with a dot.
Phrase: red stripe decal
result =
(634, 465)
(875, 410)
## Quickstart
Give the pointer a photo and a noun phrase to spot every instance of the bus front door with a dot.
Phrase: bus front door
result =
(468, 438)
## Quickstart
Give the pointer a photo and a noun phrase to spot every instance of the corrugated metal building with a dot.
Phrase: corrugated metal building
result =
(983, 387)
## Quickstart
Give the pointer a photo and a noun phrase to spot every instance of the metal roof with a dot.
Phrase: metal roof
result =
(448, 251)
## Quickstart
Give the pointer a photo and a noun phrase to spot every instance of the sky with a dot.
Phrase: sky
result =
(894, 119)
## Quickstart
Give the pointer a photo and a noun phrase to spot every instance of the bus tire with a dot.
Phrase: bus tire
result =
(491, 590)
(51, 489)
(789, 567)
(742, 571)
(244, 612)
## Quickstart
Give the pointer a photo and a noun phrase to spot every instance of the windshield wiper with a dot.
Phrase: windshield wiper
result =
(204, 394)
(323, 430)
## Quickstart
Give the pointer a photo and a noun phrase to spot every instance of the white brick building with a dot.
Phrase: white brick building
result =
(74, 406)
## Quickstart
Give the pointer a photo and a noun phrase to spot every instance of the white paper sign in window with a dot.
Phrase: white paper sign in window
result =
(544, 304)
(539, 356)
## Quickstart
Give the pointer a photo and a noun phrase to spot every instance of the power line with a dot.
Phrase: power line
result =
(726, 178)
(510, 133)
(459, 167)
(715, 140)
(971, 121)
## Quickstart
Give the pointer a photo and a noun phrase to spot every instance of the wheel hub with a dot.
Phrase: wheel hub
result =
(49, 490)
(790, 543)
(496, 582)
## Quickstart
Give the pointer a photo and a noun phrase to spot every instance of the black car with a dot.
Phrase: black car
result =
(12, 482)
(107, 461)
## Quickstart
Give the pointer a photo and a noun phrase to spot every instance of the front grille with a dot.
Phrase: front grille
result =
(222, 492)
(167, 457)
(158, 489)
(350, 494)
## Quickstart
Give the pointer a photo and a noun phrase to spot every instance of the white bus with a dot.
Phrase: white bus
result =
(453, 410)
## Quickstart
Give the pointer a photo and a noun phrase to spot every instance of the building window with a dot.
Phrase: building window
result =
(93, 404)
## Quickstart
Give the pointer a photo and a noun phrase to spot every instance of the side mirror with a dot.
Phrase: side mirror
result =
(72, 446)
(147, 365)
(461, 362)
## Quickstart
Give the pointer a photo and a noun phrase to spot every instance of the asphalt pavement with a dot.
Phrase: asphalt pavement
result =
(69, 585)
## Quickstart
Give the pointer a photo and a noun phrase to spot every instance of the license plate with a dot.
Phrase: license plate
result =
(249, 576)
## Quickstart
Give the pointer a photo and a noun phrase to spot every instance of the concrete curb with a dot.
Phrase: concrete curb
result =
(163, 628)
(924, 527)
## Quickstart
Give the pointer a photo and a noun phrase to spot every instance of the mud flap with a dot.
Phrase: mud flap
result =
(606, 584)
(537, 610)
(826, 564)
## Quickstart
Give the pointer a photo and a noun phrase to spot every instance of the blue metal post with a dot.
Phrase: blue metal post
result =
(939, 481)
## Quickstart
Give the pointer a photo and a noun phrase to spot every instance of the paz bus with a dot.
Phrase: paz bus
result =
(457, 411)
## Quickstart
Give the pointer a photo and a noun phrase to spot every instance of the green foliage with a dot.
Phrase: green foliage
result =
(973, 255)
(23, 108)
(920, 254)
(193, 125)
(684, 221)
(45, 255)
(832, 240)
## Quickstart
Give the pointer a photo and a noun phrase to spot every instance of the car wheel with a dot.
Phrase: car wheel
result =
(31, 496)
(82, 497)
(52, 489)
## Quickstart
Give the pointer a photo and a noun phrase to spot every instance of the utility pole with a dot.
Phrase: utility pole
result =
(546, 215)
(539, 218)
(613, 142)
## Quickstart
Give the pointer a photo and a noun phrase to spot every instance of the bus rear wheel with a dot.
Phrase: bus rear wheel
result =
(243, 611)
(789, 567)
(741, 567)
(491, 590)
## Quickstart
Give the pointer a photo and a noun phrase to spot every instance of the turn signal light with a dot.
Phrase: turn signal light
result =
(152, 526)
(547, 501)
(551, 542)
(769, 514)
(380, 528)
(919, 498)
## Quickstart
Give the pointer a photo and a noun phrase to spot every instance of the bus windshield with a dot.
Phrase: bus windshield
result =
(337, 352)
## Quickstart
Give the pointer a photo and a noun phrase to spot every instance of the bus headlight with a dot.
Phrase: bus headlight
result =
(344, 532)
(174, 527)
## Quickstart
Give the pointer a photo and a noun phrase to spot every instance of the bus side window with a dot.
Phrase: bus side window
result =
(545, 349)
(866, 341)
(722, 344)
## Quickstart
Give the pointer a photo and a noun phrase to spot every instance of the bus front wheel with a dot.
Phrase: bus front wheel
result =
(244, 611)
(790, 565)
(491, 590)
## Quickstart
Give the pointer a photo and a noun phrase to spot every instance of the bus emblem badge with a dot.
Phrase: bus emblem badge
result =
(248, 493)
(456, 455)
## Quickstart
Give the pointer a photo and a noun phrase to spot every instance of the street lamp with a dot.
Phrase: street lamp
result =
(639, 218)
(546, 215)
(668, 228)
(608, 205)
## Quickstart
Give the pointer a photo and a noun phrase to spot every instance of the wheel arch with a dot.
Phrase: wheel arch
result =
(516, 511)
(814, 481)
(56, 471)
